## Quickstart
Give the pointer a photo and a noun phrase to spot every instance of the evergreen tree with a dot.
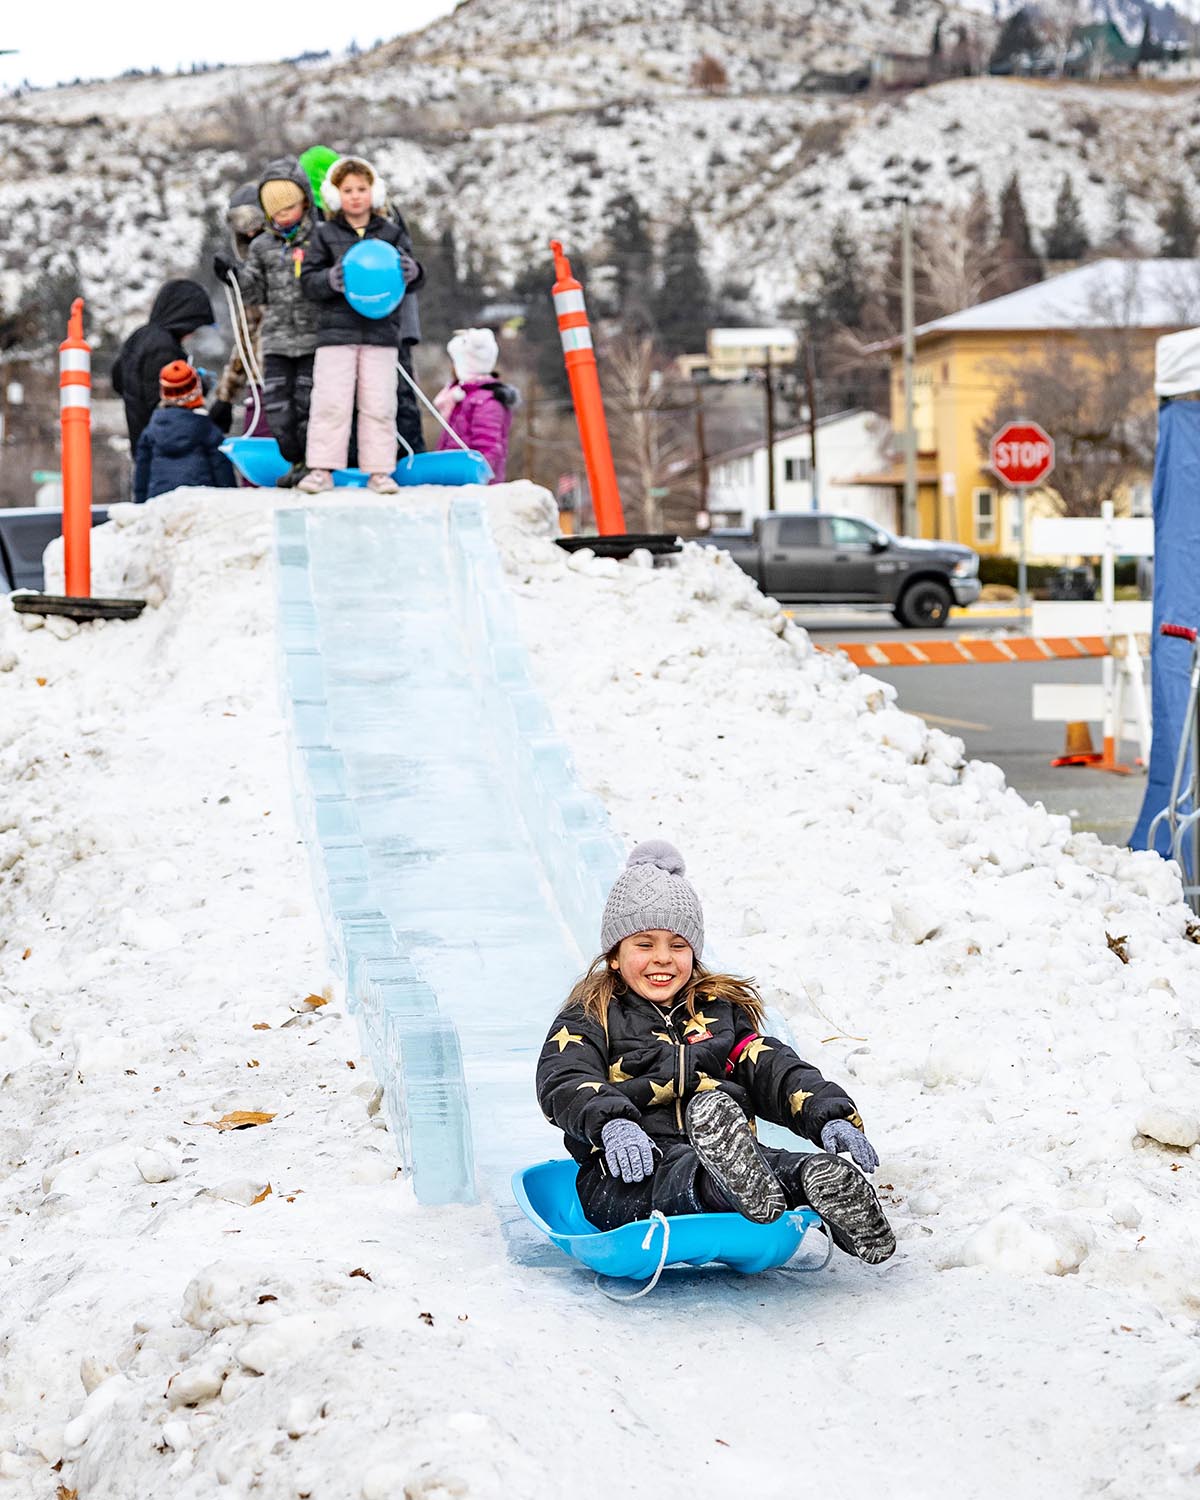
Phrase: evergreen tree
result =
(1148, 49)
(540, 329)
(441, 296)
(1067, 237)
(683, 308)
(1119, 235)
(841, 295)
(1017, 261)
(631, 254)
(1018, 40)
(1178, 225)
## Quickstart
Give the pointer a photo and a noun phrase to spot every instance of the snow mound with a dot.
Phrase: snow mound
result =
(1169, 1126)
(1053, 1245)
(193, 1312)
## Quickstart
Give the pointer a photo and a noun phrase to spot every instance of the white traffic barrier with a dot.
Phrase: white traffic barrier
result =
(1122, 688)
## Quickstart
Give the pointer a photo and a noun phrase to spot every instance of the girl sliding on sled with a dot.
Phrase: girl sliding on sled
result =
(654, 1069)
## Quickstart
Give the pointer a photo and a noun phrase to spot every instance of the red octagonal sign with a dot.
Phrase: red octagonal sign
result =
(1021, 453)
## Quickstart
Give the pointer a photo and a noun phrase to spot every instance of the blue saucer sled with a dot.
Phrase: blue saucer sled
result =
(546, 1194)
(260, 462)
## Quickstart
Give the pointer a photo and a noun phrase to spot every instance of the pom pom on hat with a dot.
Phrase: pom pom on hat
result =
(651, 895)
(473, 352)
(179, 385)
(658, 852)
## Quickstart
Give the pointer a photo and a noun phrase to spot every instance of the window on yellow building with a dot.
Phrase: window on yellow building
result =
(985, 515)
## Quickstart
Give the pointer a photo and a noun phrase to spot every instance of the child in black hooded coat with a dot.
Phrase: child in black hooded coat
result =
(179, 309)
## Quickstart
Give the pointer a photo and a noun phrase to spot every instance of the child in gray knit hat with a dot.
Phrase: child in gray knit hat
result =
(656, 1066)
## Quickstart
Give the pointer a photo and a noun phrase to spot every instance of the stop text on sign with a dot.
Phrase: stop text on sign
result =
(1022, 453)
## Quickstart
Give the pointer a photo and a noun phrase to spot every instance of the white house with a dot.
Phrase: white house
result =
(848, 443)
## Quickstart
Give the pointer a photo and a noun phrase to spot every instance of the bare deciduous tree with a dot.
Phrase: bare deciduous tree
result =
(955, 258)
(1057, 21)
(644, 447)
(1094, 394)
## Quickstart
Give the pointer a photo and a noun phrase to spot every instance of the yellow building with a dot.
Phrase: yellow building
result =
(737, 353)
(966, 360)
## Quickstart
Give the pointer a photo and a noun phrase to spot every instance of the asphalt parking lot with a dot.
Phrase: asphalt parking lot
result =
(990, 709)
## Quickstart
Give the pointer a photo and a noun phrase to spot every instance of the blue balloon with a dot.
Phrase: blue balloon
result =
(374, 279)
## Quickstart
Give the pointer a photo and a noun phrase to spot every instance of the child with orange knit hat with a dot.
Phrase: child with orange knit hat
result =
(181, 444)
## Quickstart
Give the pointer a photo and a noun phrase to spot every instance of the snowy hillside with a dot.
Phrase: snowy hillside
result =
(509, 122)
(197, 1312)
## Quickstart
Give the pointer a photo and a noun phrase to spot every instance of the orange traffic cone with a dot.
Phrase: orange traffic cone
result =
(1078, 750)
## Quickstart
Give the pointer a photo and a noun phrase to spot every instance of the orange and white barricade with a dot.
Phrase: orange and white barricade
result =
(75, 415)
(579, 356)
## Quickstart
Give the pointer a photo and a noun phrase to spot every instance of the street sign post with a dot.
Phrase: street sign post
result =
(1022, 455)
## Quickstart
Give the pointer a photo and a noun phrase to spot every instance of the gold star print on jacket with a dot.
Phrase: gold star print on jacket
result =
(648, 1062)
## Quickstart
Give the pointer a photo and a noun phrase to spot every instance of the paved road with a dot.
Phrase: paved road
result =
(990, 709)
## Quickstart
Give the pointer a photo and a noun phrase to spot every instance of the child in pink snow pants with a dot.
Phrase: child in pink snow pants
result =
(339, 372)
(356, 357)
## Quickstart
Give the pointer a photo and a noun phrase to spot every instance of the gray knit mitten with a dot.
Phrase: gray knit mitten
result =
(840, 1135)
(628, 1150)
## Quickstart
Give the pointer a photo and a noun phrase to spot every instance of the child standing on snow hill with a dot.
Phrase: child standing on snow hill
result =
(356, 356)
(271, 276)
(655, 1068)
(181, 443)
(477, 404)
(245, 220)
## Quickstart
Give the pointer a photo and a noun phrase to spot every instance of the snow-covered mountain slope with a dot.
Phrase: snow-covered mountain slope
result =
(199, 1313)
(512, 122)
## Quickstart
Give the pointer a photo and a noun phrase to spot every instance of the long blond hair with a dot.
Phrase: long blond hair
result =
(602, 984)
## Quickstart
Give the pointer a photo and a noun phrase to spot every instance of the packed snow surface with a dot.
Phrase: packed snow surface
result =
(198, 1312)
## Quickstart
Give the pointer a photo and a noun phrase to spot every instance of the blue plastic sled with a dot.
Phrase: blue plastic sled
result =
(261, 462)
(547, 1196)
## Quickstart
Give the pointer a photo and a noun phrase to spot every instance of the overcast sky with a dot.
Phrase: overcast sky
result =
(80, 38)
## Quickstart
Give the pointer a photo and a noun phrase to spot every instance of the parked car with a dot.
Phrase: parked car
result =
(25, 533)
(812, 558)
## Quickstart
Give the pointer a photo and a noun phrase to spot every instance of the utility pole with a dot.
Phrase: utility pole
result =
(701, 449)
(810, 380)
(530, 403)
(907, 299)
(769, 393)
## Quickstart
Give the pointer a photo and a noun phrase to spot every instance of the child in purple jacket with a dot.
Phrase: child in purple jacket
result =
(477, 404)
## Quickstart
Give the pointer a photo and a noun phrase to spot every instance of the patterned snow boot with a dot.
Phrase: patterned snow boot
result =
(721, 1137)
(847, 1203)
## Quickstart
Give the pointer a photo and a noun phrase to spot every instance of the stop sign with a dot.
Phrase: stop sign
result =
(1021, 453)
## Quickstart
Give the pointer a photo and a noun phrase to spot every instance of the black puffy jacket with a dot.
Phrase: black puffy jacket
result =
(650, 1062)
(179, 447)
(337, 322)
(179, 309)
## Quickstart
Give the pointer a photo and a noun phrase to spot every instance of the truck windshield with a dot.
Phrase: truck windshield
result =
(847, 532)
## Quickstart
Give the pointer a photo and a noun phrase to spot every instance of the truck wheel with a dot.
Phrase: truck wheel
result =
(924, 605)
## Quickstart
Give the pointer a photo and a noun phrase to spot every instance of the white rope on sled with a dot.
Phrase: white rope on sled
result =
(817, 1265)
(424, 399)
(657, 1220)
(243, 343)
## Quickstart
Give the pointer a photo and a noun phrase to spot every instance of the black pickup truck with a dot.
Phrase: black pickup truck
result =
(812, 558)
(25, 533)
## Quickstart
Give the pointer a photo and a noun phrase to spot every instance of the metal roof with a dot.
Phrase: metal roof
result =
(1105, 294)
(750, 338)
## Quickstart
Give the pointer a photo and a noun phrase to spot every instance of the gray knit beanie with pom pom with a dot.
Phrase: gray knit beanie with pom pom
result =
(651, 894)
